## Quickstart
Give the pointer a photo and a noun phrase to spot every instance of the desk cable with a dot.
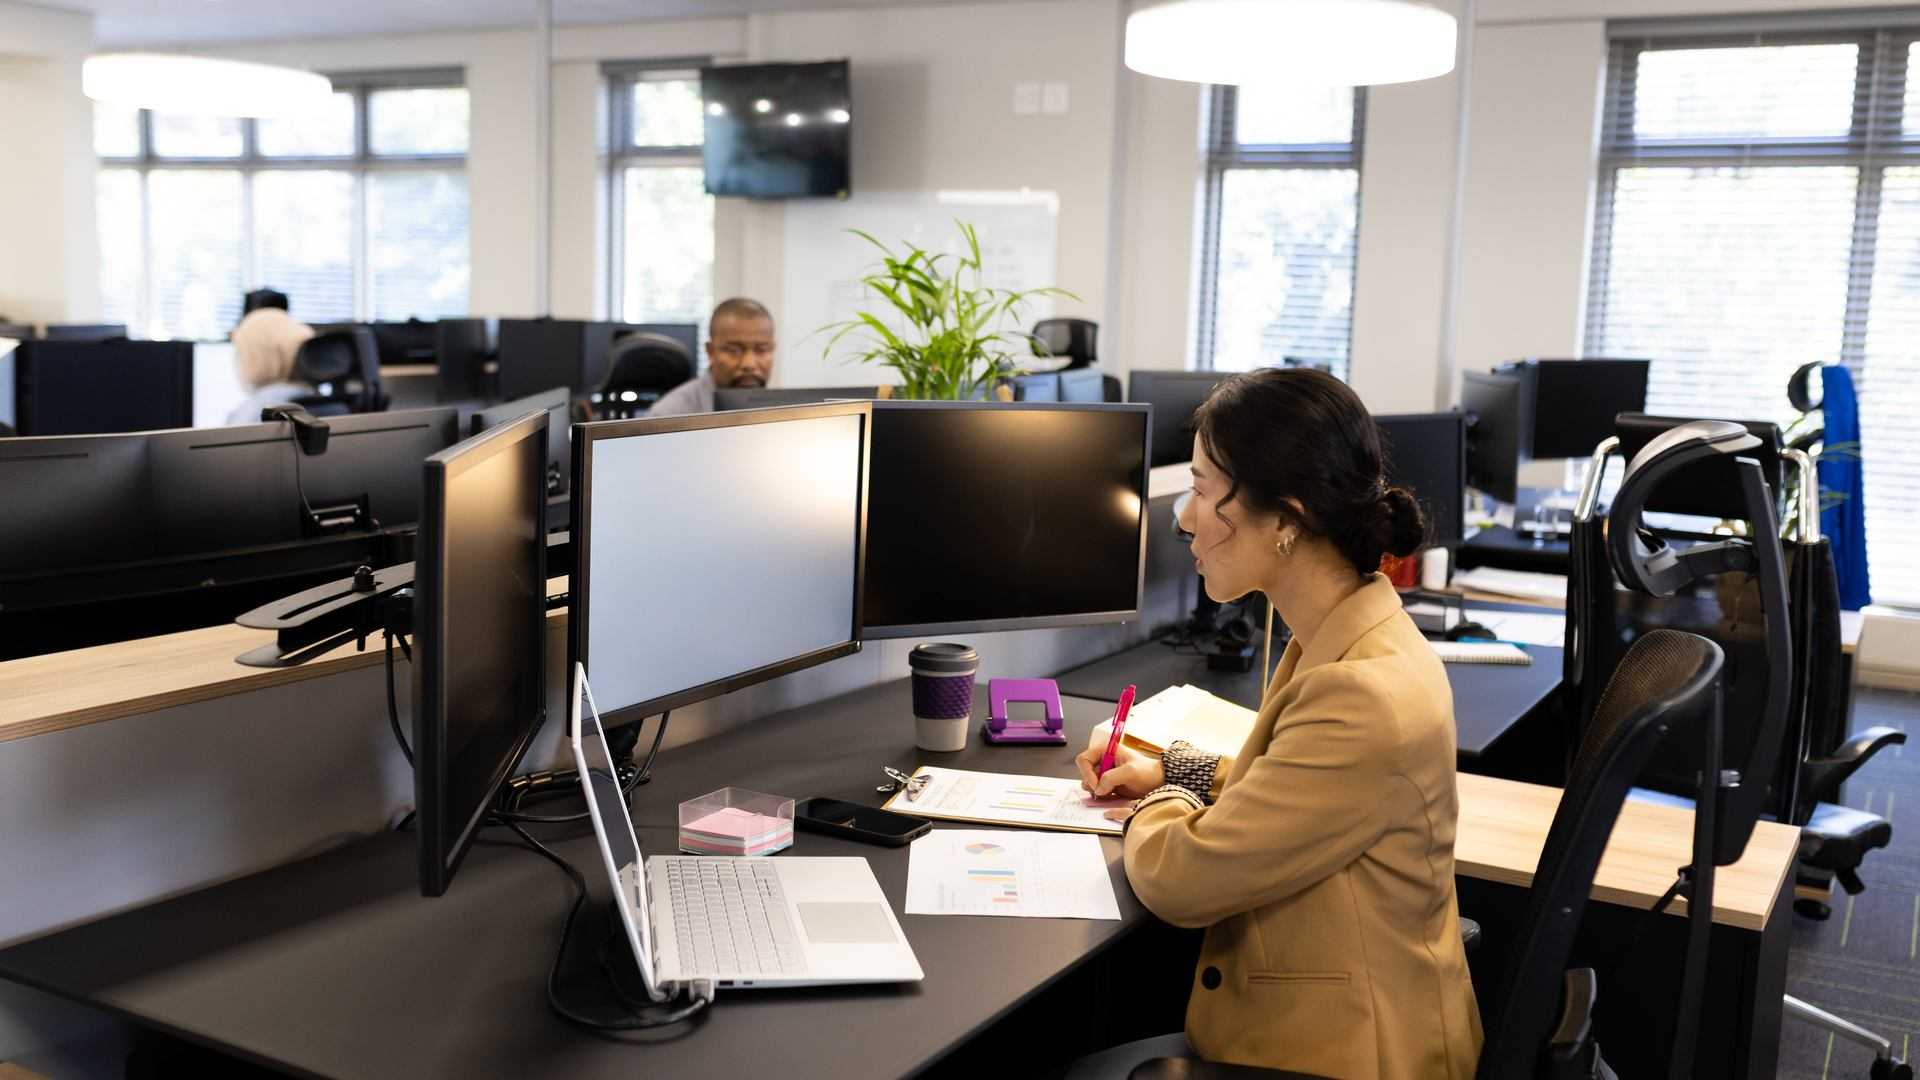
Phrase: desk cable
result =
(643, 1015)
(508, 812)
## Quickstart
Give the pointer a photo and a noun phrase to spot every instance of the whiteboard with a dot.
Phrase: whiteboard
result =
(1018, 232)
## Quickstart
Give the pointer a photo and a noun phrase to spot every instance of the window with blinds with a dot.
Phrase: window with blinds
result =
(1280, 228)
(357, 212)
(1759, 209)
(661, 247)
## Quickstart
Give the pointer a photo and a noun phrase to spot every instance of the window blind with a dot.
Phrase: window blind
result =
(1759, 209)
(358, 211)
(1280, 228)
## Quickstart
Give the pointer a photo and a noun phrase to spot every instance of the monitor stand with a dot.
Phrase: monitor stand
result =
(599, 981)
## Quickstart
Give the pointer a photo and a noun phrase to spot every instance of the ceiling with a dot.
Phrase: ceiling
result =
(126, 23)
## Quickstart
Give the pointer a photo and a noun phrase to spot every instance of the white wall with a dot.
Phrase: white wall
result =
(49, 262)
(502, 168)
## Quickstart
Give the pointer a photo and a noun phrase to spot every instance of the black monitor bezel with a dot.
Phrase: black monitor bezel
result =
(1515, 387)
(1038, 622)
(437, 866)
(585, 436)
(1459, 423)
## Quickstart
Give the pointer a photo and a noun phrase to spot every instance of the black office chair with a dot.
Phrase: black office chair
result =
(1792, 763)
(640, 368)
(343, 367)
(1668, 686)
(1078, 340)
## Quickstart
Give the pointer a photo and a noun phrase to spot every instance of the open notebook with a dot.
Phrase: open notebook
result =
(1213, 724)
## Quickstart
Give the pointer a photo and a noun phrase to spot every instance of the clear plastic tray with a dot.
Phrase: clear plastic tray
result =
(736, 821)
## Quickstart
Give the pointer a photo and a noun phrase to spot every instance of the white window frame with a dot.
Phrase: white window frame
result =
(362, 163)
(1224, 153)
(620, 155)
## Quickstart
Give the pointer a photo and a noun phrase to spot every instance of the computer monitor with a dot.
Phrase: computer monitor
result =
(1175, 396)
(219, 489)
(78, 501)
(715, 551)
(479, 631)
(557, 404)
(1706, 488)
(1499, 430)
(1427, 454)
(540, 354)
(85, 331)
(461, 348)
(72, 387)
(1082, 385)
(1004, 516)
(726, 400)
(1041, 387)
(412, 342)
(1574, 401)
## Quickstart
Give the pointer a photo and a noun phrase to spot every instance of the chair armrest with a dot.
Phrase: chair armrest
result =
(1469, 934)
(1189, 1069)
(1821, 777)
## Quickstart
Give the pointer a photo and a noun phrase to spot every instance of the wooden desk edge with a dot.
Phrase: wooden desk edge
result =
(138, 661)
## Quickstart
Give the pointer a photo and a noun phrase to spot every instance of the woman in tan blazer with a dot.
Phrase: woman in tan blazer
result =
(1320, 858)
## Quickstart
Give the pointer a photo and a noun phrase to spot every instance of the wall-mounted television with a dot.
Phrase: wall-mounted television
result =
(778, 131)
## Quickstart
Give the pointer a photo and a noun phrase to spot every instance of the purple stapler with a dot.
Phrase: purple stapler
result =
(999, 729)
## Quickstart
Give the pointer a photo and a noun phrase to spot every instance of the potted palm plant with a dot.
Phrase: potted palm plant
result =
(947, 340)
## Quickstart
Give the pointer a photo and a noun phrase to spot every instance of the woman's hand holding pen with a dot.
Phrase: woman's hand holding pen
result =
(1133, 774)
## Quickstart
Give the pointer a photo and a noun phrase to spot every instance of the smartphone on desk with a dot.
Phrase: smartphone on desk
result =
(868, 824)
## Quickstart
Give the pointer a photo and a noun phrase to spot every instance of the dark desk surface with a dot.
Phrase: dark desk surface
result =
(1487, 698)
(1499, 546)
(336, 966)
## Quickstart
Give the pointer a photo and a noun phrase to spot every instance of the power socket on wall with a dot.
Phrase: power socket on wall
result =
(1032, 98)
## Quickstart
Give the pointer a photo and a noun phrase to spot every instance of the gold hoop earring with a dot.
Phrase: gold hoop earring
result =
(1285, 545)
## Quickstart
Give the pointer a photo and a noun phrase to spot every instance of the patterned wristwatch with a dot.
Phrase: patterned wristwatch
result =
(1190, 768)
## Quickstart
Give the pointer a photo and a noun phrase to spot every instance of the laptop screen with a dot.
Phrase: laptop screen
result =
(619, 847)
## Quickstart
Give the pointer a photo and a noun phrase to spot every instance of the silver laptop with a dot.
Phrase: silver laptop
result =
(735, 922)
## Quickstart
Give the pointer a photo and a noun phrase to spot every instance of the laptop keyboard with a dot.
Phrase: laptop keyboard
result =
(730, 917)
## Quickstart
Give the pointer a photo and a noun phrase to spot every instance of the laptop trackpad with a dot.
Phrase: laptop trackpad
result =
(857, 923)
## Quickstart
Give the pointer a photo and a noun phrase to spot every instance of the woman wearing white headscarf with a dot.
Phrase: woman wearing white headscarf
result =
(264, 345)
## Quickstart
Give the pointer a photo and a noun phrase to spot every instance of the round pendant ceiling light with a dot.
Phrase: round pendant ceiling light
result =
(202, 86)
(1302, 42)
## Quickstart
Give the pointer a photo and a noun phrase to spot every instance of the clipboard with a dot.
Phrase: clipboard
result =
(1004, 799)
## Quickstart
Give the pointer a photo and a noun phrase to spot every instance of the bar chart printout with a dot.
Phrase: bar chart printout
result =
(1023, 874)
(1038, 802)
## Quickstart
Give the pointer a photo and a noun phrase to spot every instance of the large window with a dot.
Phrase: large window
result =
(661, 252)
(1281, 224)
(1759, 209)
(357, 212)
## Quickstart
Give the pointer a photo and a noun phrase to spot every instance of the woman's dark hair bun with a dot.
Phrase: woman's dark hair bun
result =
(1406, 526)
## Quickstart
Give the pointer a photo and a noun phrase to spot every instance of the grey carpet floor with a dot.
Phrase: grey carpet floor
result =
(1864, 963)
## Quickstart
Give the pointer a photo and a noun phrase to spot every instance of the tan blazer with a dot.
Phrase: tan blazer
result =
(1324, 871)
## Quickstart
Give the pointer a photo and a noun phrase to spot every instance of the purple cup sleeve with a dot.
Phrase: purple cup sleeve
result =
(942, 697)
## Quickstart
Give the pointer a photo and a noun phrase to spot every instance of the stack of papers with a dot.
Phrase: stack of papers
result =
(734, 831)
(1027, 875)
(1481, 652)
(1517, 583)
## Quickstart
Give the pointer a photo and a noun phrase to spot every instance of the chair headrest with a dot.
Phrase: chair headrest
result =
(1643, 560)
(327, 357)
(1075, 339)
(645, 361)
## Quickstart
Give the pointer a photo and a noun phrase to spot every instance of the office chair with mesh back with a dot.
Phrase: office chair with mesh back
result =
(641, 367)
(1794, 760)
(343, 367)
(1668, 686)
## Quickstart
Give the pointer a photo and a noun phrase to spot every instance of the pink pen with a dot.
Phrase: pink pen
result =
(1119, 728)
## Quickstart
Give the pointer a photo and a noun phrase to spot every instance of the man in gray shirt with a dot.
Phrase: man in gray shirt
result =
(739, 355)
